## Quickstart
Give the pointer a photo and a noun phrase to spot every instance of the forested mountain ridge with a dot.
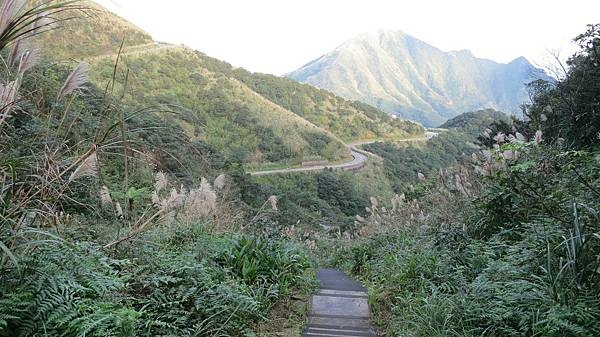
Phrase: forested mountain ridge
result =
(252, 118)
(405, 76)
(475, 122)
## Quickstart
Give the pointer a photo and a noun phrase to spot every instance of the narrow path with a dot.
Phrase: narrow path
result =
(135, 50)
(339, 309)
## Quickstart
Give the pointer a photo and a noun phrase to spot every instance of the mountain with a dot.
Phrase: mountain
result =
(405, 76)
(254, 118)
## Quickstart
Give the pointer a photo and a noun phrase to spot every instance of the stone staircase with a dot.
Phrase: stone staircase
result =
(339, 309)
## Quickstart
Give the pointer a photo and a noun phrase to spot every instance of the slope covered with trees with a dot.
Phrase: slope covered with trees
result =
(475, 122)
(255, 118)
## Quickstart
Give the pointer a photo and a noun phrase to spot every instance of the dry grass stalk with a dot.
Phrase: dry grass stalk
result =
(8, 94)
(119, 210)
(538, 137)
(273, 202)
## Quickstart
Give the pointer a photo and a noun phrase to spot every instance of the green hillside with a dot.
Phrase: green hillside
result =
(216, 108)
(94, 31)
(349, 120)
(253, 118)
(475, 122)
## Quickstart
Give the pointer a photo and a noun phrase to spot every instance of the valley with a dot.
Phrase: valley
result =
(387, 188)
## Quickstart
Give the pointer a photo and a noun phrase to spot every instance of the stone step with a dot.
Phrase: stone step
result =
(342, 293)
(320, 329)
(340, 308)
(339, 321)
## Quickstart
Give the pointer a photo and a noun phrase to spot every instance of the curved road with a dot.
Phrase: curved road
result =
(359, 158)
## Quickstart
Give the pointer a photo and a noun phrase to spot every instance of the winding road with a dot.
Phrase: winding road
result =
(359, 158)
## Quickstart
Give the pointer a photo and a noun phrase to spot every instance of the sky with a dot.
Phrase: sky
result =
(279, 36)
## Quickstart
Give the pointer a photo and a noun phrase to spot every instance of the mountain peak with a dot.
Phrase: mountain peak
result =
(520, 60)
(462, 52)
(408, 77)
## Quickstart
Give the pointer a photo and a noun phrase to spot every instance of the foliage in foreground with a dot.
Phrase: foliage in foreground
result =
(525, 263)
(94, 239)
(174, 281)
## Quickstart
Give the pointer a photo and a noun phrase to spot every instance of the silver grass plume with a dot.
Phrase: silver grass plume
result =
(508, 155)
(105, 198)
(201, 201)
(8, 10)
(500, 138)
(119, 210)
(88, 167)
(18, 47)
(219, 182)
(160, 182)
(273, 201)
(398, 201)
(23, 57)
(76, 80)
(156, 202)
(43, 23)
(8, 94)
(29, 59)
(175, 200)
(538, 137)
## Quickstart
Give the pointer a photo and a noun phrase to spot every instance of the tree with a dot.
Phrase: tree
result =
(570, 108)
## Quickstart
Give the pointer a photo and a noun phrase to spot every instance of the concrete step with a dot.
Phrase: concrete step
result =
(322, 329)
(339, 321)
(340, 308)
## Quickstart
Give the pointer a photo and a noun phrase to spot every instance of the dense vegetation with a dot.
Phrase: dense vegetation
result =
(125, 209)
(349, 120)
(403, 162)
(475, 122)
(259, 120)
(507, 244)
(214, 108)
(108, 225)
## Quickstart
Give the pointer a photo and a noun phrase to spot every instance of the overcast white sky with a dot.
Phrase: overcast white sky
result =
(278, 36)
